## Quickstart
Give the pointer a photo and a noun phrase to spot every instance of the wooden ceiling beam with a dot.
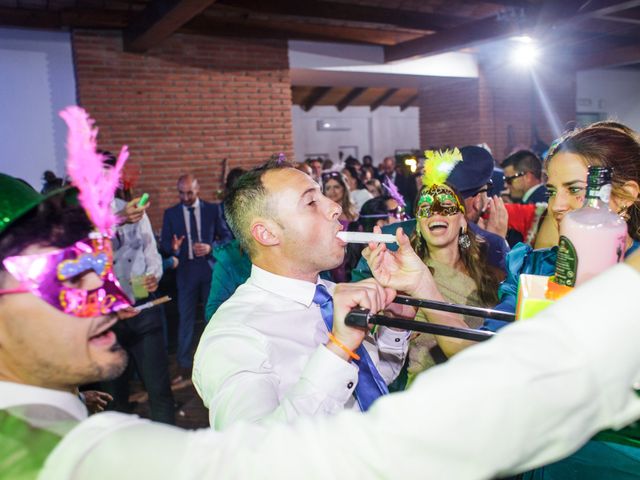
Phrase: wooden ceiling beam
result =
(614, 56)
(250, 27)
(383, 98)
(350, 97)
(452, 39)
(159, 20)
(545, 13)
(632, 21)
(599, 8)
(314, 97)
(349, 12)
(409, 103)
(78, 18)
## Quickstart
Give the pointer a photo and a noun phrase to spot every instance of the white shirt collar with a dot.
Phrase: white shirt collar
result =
(16, 395)
(299, 291)
(195, 205)
(529, 192)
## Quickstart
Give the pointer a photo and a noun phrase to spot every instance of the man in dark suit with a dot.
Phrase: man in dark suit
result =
(404, 181)
(523, 176)
(189, 231)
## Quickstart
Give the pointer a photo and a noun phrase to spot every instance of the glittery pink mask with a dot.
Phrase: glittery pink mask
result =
(44, 275)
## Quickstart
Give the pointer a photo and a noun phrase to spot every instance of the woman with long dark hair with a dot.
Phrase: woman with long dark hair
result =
(335, 187)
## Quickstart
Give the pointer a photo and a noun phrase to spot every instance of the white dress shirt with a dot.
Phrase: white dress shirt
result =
(135, 251)
(263, 357)
(42, 408)
(191, 238)
(543, 387)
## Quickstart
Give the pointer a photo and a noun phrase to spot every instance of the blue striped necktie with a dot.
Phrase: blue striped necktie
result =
(371, 385)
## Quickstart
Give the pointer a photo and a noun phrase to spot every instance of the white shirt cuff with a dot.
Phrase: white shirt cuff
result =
(331, 374)
(389, 339)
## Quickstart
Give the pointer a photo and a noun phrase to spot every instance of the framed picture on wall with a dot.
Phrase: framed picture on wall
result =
(404, 152)
(322, 156)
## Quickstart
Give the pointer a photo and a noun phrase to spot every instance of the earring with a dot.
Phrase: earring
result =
(624, 213)
(464, 241)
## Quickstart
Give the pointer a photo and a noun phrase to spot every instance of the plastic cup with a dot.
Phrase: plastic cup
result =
(139, 289)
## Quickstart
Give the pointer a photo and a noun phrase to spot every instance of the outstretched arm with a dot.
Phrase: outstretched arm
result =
(552, 382)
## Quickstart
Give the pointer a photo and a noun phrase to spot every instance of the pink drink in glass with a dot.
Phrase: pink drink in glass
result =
(598, 236)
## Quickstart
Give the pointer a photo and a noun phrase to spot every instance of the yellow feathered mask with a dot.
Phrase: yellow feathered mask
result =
(438, 166)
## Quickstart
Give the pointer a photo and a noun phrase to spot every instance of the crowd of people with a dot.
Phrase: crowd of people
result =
(277, 357)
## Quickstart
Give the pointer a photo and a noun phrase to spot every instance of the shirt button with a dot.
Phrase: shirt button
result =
(397, 340)
(350, 385)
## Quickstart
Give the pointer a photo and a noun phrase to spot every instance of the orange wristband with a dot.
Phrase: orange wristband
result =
(346, 350)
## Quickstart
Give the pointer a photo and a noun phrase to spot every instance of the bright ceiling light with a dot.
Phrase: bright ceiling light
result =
(522, 39)
(525, 55)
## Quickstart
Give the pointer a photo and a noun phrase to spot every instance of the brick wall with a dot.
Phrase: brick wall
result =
(185, 106)
(449, 112)
(499, 108)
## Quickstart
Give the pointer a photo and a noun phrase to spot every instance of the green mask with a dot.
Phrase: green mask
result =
(438, 200)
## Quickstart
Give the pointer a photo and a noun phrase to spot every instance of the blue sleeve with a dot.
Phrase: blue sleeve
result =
(508, 290)
(166, 235)
(521, 259)
(223, 232)
(167, 264)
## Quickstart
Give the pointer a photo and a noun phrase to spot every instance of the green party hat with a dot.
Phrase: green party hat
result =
(16, 198)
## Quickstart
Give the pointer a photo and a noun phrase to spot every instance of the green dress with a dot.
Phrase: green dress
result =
(610, 455)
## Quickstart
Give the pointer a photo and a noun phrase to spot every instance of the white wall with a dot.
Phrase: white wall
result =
(378, 133)
(614, 93)
(347, 57)
(37, 80)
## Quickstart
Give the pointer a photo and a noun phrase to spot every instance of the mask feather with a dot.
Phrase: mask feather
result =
(438, 165)
(96, 182)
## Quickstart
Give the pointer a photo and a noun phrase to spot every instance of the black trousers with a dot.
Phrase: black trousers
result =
(142, 337)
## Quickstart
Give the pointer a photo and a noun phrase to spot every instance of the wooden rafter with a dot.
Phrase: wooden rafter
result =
(159, 20)
(451, 39)
(409, 103)
(536, 16)
(78, 18)
(349, 12)
(613, 56)
(383, 98)
(314, 97)
(251, 27)
(350, 97)
(599, 8)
